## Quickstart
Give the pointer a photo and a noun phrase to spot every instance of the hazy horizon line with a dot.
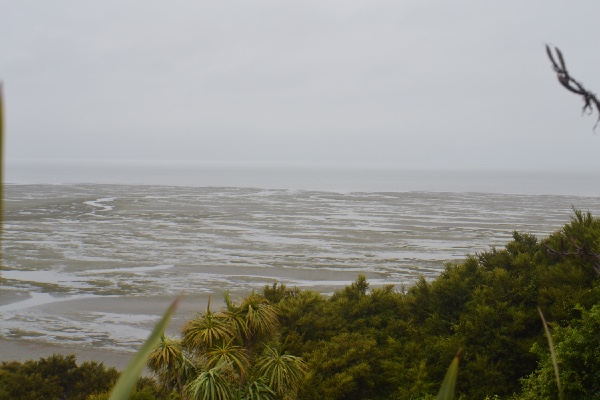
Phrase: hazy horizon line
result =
(95, 162)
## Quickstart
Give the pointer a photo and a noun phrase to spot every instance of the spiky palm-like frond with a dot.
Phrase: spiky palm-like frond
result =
(171, 364)
(206, 330)
(231, 354)
(168, 355)
(258, 390)
(283, 373)
(235, 317)
(261, 317)
(211, 385)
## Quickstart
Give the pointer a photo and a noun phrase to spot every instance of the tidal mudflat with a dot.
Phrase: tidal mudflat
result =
(93, 266)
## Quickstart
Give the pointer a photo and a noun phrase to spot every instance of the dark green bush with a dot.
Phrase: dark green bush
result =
(56, 377)
(382, 344)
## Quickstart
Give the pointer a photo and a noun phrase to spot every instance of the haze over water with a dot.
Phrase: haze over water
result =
(329, 177)
(89, 252)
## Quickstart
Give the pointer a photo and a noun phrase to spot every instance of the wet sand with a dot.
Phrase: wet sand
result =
(21, 346)
(23, 350)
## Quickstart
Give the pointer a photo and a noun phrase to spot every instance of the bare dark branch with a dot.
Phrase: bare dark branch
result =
(581, 252)
(590, 100)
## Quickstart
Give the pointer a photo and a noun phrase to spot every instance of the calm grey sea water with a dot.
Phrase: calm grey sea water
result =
(348, 178)
(83, 262)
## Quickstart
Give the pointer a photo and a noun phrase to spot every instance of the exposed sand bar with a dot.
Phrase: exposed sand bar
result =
(117, 312)
(22, 349)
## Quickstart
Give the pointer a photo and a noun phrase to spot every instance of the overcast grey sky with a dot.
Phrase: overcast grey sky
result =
(407, 83)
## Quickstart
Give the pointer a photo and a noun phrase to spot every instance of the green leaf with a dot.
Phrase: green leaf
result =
(211, 385)
(552, 353)
(128, 379)
(449, 383)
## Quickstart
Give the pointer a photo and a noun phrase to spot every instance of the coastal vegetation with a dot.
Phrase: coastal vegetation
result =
(59, 377)
(386, 342)
(232, 353)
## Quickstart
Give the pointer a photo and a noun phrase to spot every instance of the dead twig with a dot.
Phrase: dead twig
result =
(572, 85)
(581, 252)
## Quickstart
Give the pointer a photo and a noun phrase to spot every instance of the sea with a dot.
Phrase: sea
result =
(93, 250)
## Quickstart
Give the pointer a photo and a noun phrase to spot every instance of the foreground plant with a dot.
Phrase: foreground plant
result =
(211, 385)
(129, 378)
(229, 354)
(283, 372)
(170, 361)
(448, 387)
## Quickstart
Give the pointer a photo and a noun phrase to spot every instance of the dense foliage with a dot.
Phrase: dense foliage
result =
(56, 377)
(232, 353)
(383, 344)
(388, 344)
(59, 377)
(578, 349)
